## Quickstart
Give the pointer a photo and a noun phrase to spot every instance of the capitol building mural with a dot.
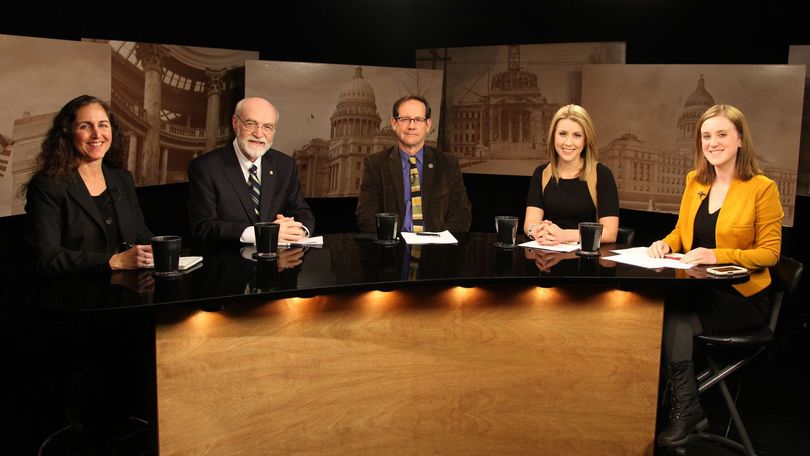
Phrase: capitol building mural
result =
(500, 99)
(651, 158)
(172, 103)
(333, 116)
(39, 76)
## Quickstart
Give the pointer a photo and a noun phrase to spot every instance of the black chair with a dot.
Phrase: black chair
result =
(784, 279)
(625, 236)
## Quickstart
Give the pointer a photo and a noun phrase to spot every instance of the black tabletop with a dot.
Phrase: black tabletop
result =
(347, 262)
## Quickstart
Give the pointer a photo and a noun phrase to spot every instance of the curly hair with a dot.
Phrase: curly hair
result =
(58, 156)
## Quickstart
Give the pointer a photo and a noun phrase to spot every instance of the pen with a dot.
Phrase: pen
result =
(422, 233)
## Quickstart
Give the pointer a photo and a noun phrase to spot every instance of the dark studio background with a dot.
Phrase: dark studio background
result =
(387, 33)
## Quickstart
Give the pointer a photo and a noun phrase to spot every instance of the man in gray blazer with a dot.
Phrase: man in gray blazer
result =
(245, 182)
(421, 184)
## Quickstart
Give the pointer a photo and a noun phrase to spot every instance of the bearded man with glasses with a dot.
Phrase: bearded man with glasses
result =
(246, 181)
(421, 184)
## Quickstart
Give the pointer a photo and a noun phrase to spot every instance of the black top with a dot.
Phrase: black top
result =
(66, 230)
(705, 226)
(107, 210)
(567, 202)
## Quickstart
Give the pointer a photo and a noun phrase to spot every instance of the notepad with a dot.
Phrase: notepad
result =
(189, 261)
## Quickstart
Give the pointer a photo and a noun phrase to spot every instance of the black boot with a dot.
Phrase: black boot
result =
(685, 414)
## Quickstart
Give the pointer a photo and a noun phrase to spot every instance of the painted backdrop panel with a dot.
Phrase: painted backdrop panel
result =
(645, 118)
(333, 116)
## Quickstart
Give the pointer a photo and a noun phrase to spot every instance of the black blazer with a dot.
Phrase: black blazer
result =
(66, 229)
(220, 204)
(445, 204)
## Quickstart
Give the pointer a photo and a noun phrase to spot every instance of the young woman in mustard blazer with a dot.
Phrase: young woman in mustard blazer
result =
(730, 214)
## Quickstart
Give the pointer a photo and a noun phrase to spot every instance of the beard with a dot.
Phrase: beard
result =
(253, 151)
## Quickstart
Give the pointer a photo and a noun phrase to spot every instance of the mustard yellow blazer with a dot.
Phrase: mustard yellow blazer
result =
(749, 227)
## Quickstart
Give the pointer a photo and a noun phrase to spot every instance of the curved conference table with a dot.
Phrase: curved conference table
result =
(358, 348)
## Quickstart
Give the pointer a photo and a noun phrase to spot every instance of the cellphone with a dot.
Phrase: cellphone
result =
(726, 270)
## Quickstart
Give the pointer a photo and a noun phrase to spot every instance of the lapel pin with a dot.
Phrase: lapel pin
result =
(430, 165)
(270, 172)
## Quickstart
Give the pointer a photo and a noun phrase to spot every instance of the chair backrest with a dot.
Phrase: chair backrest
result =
(625, 236)
(785, 277)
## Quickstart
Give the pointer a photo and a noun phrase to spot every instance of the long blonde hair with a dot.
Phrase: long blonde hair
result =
(591, 151)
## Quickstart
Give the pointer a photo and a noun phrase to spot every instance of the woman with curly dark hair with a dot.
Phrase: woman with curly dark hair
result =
(81, 202)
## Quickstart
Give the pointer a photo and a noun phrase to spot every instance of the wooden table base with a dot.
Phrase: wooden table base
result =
(491, 370)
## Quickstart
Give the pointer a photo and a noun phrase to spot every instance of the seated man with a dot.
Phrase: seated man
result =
(245, 182)
(421, 184)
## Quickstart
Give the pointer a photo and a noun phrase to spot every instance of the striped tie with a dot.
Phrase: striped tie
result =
(416, 198)
(255, 189)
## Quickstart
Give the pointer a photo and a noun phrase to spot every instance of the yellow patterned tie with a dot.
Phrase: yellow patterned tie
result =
(416, 198)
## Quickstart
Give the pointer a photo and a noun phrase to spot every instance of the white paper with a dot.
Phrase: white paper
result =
(316, 241)
(631, 251)
(564, 247)
(444, 237)
(189, 261)
(647, 261)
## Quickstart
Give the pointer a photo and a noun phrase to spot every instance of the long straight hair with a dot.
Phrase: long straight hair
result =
(590, 152)
(746, 165)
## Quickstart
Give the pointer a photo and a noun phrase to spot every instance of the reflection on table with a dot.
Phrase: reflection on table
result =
(346, 263)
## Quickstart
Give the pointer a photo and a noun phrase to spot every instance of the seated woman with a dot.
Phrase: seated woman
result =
(730, 214)
(81, 203)
(572, 187)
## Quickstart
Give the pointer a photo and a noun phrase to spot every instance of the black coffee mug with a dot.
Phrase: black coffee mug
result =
(166, 253)
(266, 239)
(506, 229)
(590, 238)
(387, 226)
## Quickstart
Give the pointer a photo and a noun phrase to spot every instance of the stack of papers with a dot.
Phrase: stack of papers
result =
(554, 248)
(444, 237)
(637, 256)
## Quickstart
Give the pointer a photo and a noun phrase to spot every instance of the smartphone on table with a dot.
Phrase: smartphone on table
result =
(726, 270)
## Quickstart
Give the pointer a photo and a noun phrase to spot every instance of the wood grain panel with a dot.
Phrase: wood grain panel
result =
(501, 370)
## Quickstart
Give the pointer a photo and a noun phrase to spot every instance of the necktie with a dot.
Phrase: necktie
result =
(255, 189)
(416, 198)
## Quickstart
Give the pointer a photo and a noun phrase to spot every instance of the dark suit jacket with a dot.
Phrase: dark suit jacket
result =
(66, 230)
(220, 202)
(445, 205)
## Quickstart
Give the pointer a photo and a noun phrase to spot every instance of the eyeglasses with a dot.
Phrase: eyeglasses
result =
(251, 126)
(406, 121)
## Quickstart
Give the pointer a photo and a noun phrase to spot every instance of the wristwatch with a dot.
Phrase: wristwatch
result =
(529, 231)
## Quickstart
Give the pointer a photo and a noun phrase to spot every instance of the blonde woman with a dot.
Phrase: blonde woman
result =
(573, 186)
